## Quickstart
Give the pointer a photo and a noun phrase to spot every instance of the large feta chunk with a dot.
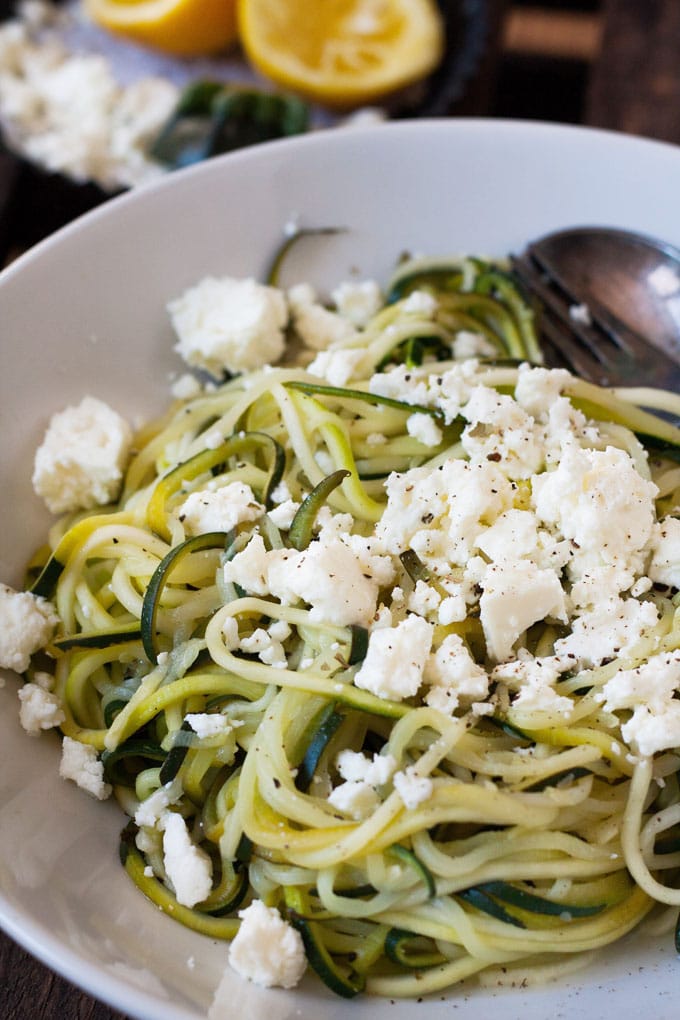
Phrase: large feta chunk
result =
(81, 764)
(599, 501)
(229, 325)
(395, 660)
(28, 623)
(266, 949)
(340, 584)
(516, 595)
(80, 462)
(440, 512)
(219, 509)
(188, 868)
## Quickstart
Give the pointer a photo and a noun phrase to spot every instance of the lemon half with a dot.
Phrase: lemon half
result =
(184, 28)
(342, 52)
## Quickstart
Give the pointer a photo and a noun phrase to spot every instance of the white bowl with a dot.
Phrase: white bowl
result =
(84, 312)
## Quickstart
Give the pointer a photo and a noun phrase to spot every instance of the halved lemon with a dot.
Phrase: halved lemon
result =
(184, 28)
(342, 52)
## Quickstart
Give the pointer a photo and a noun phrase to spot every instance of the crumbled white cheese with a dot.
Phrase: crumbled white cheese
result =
(500, 430)
(395, 659)
(358, 301)
(424, 599)
(440, 512)
(467, 344)
(537, 388)
(266, 949)
(80, 463)
(229, 325)
(266, 647)
(665, 548)
(40, 709)
(151, 811)
(534, 681)
(515, 596)
(412, 788)
(599, 501)
(424, 428)
(219, 509)
(453, 675)
(188, 868)
(611, 628)
(340, 583)
(339, 366)
(208, 724)
(230, 634)
(28, 623)
(581, 314)
(649, 691)
(283, 514)
(420, 302)
(185, 387)
(68, 113)
(318, 327)
(357, 767)
(354, 798)
(81, 764)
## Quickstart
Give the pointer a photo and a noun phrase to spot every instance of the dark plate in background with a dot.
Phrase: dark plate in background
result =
(34, 202)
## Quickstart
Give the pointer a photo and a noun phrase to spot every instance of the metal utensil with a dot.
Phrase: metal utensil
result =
(609, 304)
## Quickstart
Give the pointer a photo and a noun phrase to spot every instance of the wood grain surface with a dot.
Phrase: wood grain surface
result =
(635, 82)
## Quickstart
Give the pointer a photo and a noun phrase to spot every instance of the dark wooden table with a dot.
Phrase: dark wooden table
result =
(634, 86)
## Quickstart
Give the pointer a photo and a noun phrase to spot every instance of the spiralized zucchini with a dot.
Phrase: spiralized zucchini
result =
(540, 838)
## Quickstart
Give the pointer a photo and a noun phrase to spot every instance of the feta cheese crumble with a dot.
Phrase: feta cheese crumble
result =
(412, 788)
(40, 709)
(220, 509)
(188, 868)
(28, 623)
(80, 462)
(81, 764)
(395, 660)
(229, 325)
(266, 949)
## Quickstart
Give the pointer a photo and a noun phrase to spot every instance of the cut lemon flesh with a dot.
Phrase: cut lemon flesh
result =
(184, 28)
(342, 52)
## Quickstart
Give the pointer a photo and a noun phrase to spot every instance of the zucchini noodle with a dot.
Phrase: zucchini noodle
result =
(495, 828)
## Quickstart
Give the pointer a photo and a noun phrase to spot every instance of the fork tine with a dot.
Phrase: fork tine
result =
(600, 348)
(622, 336)
(567, 338)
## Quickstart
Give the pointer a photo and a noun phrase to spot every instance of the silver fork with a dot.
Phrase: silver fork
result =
(585, 336)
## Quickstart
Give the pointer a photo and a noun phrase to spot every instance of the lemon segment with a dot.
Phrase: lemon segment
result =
(183, 28)
(342, 52)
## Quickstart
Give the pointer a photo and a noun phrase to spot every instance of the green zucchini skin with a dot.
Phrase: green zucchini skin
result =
(346, 985)
(99, 639)
(373, 399)
(326, 726)
(301, 531)
(159, 578)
